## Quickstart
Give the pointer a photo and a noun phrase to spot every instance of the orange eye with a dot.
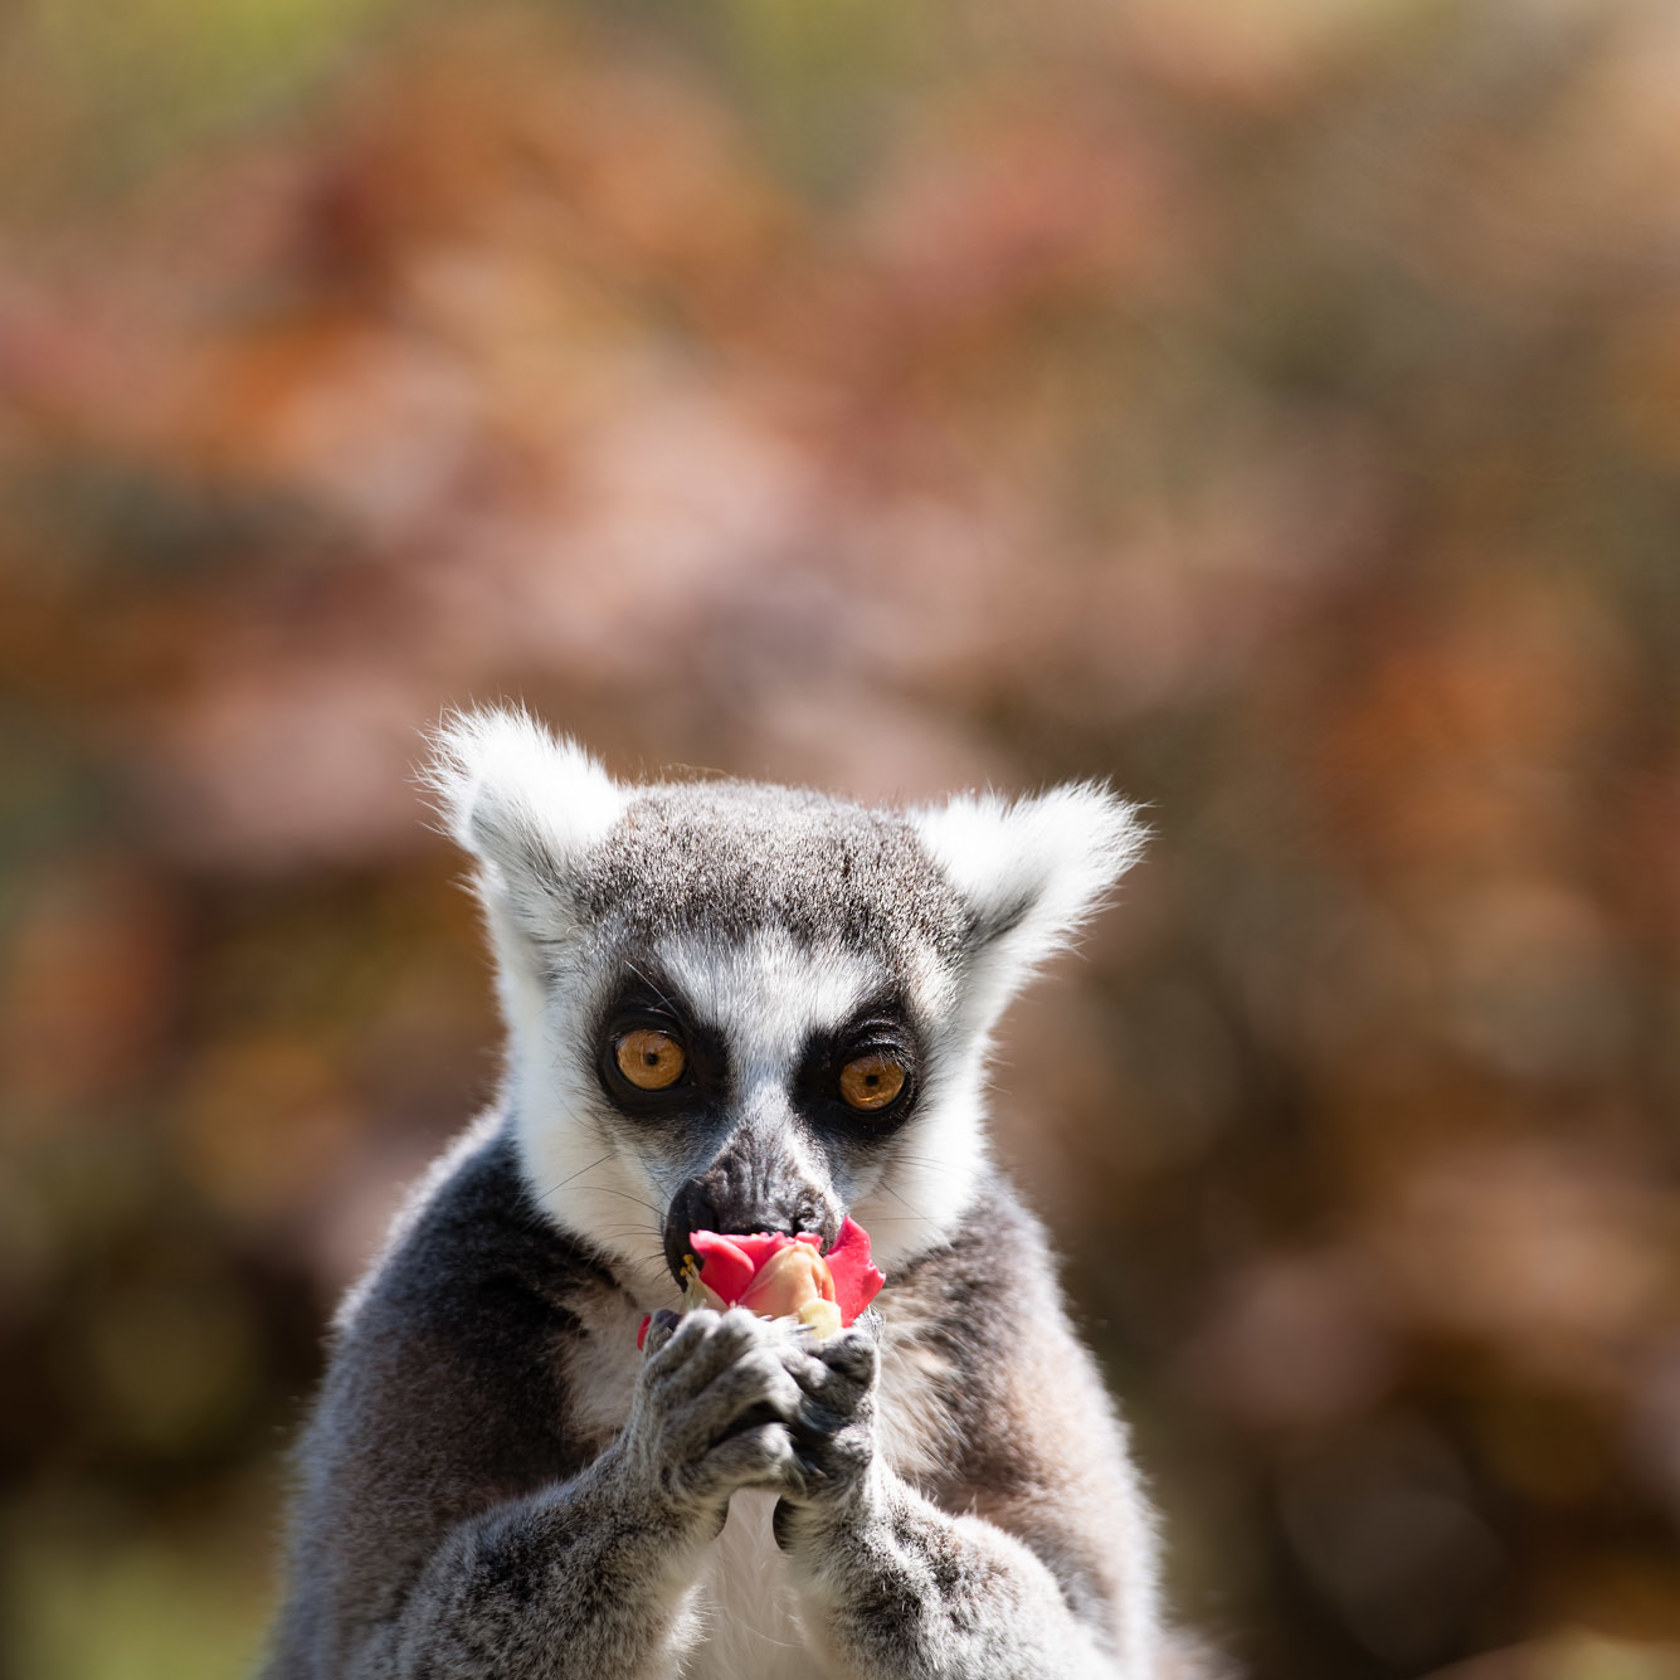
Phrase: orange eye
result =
(871, 1082)
(650, 1059)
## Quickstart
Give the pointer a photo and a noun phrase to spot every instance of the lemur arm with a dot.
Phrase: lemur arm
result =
(904, 1589)
(908, 1591)
(557, 1584)
(1027, 1551)
(588, 1580)
(453, 1520)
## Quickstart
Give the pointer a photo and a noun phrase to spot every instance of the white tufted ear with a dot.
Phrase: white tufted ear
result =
(527, 805)
(515, 796)
(1031, 871)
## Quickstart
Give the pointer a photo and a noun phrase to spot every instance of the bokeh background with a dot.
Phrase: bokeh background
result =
(1273, 405)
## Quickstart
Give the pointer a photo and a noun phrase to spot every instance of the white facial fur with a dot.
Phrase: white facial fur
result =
(769, 997)
(533, 810)
(596, 1174)
(594, 1171)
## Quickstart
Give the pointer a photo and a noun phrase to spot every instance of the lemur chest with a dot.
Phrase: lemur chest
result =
(749, 1621)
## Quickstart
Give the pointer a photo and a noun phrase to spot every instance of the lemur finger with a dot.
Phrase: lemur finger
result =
(670, 1346)
(838, 1373)
(829, 1467)
(761, 1457)
(662, 1326)
(853, 1354)
(755, 1384)
(703, 1344)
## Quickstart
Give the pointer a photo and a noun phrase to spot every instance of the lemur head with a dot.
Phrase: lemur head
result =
(736, 1007)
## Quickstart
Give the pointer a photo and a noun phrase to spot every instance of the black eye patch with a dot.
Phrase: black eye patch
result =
(644, 1004)
(880, 1034)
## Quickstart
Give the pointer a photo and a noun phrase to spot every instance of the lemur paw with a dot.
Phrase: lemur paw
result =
(834, 1429)
(712, 1408)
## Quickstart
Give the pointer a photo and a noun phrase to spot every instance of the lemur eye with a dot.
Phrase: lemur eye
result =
(870, 1082)
(650, 1058)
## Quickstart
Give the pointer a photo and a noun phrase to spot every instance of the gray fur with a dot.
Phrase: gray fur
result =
(495, 1483)
(725, 858)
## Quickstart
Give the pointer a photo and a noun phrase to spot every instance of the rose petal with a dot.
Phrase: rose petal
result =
(763, 1246)
(727, 1263)
(788, 1282)
(856, 1281)
(641, 1334)
(779, 1276)
(698, 1295)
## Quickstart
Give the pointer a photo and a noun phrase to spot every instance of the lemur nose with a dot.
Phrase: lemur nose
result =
(722, 1199)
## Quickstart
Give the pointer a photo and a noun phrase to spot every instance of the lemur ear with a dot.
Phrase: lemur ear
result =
(527, 806)
(1031, 871)
(525, 803)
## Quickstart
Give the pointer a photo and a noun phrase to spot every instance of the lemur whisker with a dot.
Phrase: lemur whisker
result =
(915, 1212)
(630, 1231)
(640, 1201)
(574, 1177)
(651, 984)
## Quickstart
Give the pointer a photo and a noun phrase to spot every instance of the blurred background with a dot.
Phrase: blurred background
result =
(1273, 405)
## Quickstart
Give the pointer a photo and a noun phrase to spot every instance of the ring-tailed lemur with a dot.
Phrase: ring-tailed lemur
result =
(739, 1008)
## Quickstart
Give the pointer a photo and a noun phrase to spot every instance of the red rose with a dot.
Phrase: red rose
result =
(778, 1276)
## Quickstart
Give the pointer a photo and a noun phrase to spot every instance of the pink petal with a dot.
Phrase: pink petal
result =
(729, 1264)
(856, 1281)
(788, 1282)
(724, 1267)
(761, 1247)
